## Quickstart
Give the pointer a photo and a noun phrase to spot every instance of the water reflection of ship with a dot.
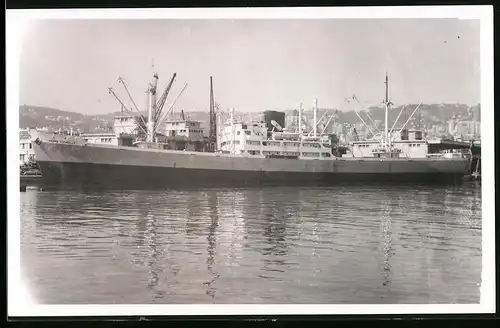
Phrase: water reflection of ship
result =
(465, 204)
(448, 200)
(233, 225)
(147, 236)
(386, 229)
(212, 243)
(90, 207)
(152, 259)
(276, 219)
(196, 202)
(274, 229)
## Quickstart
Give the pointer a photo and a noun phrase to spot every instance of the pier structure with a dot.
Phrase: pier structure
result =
(439, 145)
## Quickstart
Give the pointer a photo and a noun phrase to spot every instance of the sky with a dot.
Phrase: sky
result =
(256, 64)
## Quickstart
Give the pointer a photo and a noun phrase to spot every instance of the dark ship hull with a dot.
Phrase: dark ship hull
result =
(115, 167)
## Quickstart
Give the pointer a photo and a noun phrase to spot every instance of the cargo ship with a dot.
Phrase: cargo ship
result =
(243, 154)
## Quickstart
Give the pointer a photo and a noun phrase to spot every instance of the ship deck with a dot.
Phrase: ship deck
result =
(228, 155)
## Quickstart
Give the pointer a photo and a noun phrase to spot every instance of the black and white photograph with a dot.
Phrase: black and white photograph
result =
(321, 160)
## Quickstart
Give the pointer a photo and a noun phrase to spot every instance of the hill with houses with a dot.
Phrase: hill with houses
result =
(427, 116)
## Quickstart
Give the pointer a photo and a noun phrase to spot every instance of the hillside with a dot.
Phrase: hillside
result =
(428, 115)
(54, 119)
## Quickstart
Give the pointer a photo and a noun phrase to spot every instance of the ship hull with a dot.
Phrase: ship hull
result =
(124, 176)
(126, 167)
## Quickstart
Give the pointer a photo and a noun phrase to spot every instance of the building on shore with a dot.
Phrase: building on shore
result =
(26, 152)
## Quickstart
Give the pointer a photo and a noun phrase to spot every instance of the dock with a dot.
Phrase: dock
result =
(29, 180)
(474, 146)
(476, 169)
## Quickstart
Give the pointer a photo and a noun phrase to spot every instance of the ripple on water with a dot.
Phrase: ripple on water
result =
(272, 245)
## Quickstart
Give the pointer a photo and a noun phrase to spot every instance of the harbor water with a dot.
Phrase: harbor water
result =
(330, 245)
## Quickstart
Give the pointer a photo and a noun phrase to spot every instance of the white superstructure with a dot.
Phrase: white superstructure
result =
(184, 128)
(251, 139)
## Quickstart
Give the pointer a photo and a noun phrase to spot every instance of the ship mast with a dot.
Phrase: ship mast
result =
(151, 107)
(300, 120)
(387, 104)
(315, 118)
(213, 119)
(232, 130)
(220, 130)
